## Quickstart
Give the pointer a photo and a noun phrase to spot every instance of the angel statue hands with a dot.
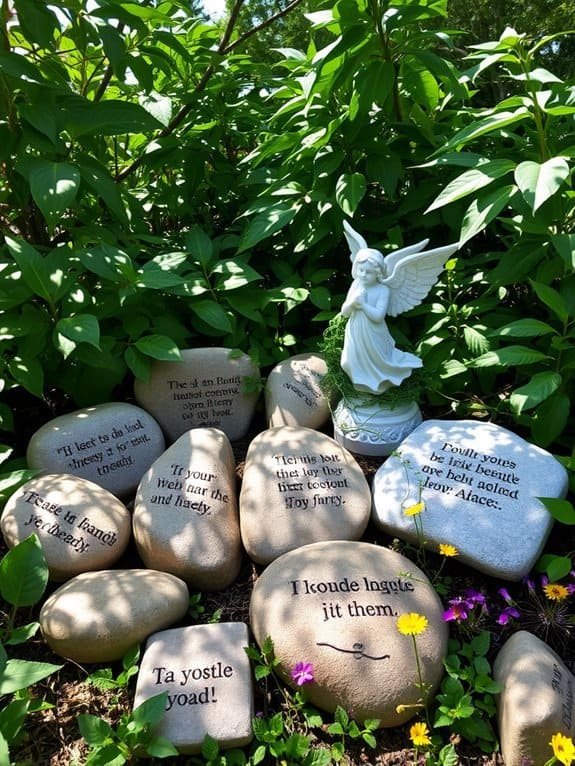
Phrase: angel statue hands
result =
(384, 286)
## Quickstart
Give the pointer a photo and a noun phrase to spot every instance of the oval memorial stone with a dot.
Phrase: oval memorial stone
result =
(300, 486)
(480, 485)
(293, 394)
(80, 525)
(208, 388)
(110, 444)
(98, 616)
(335, 605)
(185, 514)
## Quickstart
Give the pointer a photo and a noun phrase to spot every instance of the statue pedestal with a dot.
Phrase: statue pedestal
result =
(373, 429)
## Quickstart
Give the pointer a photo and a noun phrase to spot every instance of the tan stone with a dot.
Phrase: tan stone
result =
(293, 394)
(185, 514)
(110, 444)
(98, 616)
(536, 701)
(336, 605)
(80, 525)
(300, 486)
(206, 673)
(208, 388)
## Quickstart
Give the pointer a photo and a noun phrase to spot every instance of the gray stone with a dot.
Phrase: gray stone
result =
(80, 525)
(98, 616)
(479, 483)
(300, 486)
(110, 444)
(293, 394)
(208, 388)
(536, 700)
(185, 514)
(206, 673)
(336, 605)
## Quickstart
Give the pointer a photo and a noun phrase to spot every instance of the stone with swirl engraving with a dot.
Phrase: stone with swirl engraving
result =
(480, 486)
(111, 444)
(300, 486)
(336, 605)
(209, 388)
(185, 514)
(536, 702)
(293, 394)
(80, 525)
(98, 616)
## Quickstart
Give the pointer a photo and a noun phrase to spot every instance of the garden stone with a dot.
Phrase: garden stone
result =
(206, 673)
(536, 699)
(98, 616)
(110, 444)
(208, 388)
(293, 394)
(479, 484)
(300, 486)
(80, 525)
(185, 514)
(335, 605)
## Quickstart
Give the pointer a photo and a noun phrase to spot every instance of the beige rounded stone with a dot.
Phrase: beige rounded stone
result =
(98, 616)
(293, 394)
(300, 486)
(110, 444)
(185, 514)
(335, 605)
(209, 388)
(80, 525)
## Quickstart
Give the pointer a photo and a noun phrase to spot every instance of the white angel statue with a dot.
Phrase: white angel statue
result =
(381, 286)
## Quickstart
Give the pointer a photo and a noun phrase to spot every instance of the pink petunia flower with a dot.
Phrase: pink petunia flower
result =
(302, 673)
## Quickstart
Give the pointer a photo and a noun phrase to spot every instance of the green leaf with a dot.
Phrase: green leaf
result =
(23, 633)
(556, 567)
(210, 748)
(483, 210)
(18, 674)
(54, 186)
(17, 66)
(94, 730)
(108, 262)
(539, 388)
(161, 747)
(508, 357)
(28, 373)
(199, 245)
(564, 244)
(494, 122)
(24, 573)
(266, 223)
(151, 711)
(81, 328)
(32, 266)
(471, 181)
(552, 299)
(37, 22)
(108, 118)
(525, 328)
(235, 274)
(212, 314)
(538, 182)
(551, 418)
(159, 347)
(350, 189)
(561, 510)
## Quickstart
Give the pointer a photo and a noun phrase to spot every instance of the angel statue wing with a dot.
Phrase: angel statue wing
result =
(356, 243)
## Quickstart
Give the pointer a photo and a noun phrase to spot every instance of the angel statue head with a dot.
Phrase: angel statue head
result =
(373, 257)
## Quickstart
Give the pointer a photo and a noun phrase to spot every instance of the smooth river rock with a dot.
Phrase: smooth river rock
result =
(300, 486)
(479, 483)
(110, 444)
(335, 605)
(210, 387)
(80, 525)
(536, 701)
(206, 673)
(185, 514)
(98, 616)
(293, 394)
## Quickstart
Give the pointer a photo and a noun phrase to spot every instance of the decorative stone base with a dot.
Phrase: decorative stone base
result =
(372, 429)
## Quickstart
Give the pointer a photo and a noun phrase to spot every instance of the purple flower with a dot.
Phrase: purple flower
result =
(507, 614)
(571, 588)
(530, 584)
(544, 580)
(473, 597)
(504, 593)
(303, 673)
(458, 610)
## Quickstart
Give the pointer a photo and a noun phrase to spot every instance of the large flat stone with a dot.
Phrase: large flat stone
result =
(479, 483)
(206, 674)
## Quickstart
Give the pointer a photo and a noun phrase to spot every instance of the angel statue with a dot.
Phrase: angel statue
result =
(384, 286)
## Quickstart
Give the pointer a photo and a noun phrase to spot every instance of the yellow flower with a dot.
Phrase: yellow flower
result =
(448, 550)
(563, 748)
(555, 592)
(413, 510)
(412, 624)
(419, 735)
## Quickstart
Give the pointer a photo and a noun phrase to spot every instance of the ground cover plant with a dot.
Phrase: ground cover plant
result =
(163, 185)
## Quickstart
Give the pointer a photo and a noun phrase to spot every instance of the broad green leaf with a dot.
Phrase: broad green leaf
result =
(109, 118)
(23, 633)
(235, 274)
(24, 573)
(54, 186)
(28, 373)
(159, 347)
(155, 278)
(471, 181)
(212, 314)
(350, 189)
(482, 127)
(199, 245)
(483, 210)
(552, 299)
(550, 419)
(109, 262)
(37, 22)
(32, 265)
(81, 328)
(265, 224)
(508, 357)
(539, 182)
(161, 747)
(525, 328)
(539, 388)
(556, 567)
(20, 68)
(18, 674)
(42, 117)
(564, 244)
(158, 106)
(102, 184)
(561, 510)
(150, 711)
(138, 363)
(93, 729)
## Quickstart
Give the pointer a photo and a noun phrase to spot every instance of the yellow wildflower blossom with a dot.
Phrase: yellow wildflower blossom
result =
(563, 748)
(419, 734)
(555, 592)
(448, 550)
(412, 624)
(413, 510)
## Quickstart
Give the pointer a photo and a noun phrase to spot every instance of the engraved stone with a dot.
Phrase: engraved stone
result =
(293, 394)
(208, 388)
(206, 673)
(80, 525)
(335, 605)
(480, 485)
(185, 513)
(110, 444)
(98, 616)
(300, 486)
